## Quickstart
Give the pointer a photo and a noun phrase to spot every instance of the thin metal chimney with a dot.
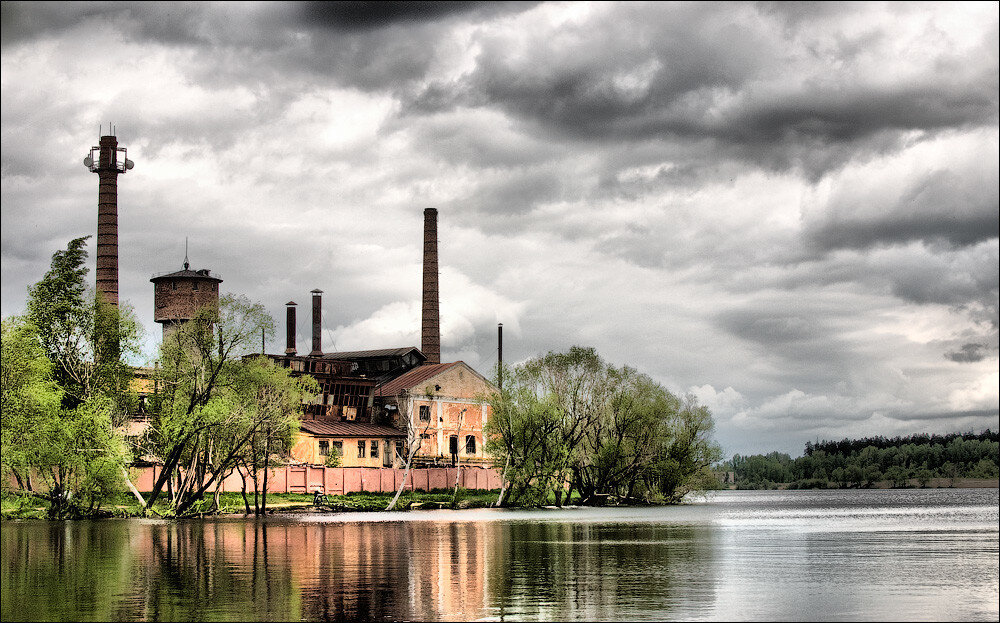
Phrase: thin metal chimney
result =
(108, 161)
(500, 355)
(290, 328)
(430, 336)
(317, 350)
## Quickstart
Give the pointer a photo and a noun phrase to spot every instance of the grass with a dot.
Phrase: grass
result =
(18, 506)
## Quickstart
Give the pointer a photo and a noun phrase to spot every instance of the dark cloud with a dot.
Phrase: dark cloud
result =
(365, 16)
(943, 205)
(695, 73)
(970, 353)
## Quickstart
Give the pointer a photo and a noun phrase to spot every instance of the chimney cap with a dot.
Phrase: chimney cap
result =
(317, 291)
(291, 303)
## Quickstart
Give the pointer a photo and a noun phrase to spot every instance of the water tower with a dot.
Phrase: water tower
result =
(178, 296)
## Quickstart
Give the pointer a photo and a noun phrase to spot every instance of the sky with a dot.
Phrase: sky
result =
(787, 210)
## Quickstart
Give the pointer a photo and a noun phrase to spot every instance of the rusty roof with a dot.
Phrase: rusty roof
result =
(348, 429)
(366, 354)
(414, 377)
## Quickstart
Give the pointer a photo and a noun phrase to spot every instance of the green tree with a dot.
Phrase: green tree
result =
(30, 396)
(569, 420)
(86, 339)
(217, 409)
(67, 390)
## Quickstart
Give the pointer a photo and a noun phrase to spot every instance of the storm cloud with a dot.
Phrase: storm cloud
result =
(788, 210)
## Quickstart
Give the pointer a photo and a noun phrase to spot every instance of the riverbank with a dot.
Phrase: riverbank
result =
(14, 506)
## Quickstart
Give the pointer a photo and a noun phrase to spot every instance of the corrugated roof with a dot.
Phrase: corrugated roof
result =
(366, 354)
(414, 377)
(349, 429)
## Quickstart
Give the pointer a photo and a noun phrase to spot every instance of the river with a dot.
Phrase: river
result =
(929, 554)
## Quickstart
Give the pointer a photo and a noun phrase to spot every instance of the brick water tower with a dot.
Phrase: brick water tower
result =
(108, 160)
(178, 296)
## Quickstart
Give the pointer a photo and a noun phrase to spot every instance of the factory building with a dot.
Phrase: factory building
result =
(444, 403)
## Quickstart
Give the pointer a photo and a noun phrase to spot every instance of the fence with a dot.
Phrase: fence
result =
(341, 480)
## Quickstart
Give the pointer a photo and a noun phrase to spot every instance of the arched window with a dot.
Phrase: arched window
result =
(470, 444)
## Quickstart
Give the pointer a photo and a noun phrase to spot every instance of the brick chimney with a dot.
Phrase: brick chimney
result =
(290, 328)
(317, 349)
(430, 337)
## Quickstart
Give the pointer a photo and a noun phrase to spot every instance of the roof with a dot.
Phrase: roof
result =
(204, 273)
(414, 377)
(371, 354)
(349, 429)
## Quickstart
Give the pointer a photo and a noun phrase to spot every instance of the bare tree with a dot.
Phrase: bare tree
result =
(458, 453)
(414, 439)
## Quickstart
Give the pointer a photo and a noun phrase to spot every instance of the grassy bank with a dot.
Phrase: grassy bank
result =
(16, 506)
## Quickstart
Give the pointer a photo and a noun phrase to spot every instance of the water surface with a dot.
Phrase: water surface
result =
(827, 555)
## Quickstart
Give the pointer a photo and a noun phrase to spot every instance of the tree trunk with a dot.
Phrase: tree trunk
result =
(267, 461)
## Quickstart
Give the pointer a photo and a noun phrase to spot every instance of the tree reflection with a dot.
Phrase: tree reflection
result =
(288, 569)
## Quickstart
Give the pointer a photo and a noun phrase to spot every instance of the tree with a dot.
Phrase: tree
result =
(30, 396)
(414, 440)
(267, 400)
(86, 339)
(217, 409)
(570, 421)
(66, 389)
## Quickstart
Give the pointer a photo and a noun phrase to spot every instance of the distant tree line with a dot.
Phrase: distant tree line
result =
(864, 462)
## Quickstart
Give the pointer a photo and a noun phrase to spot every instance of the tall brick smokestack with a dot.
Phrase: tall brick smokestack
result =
(317, 349)
(110, 162)
(290, 328)
(430, 336)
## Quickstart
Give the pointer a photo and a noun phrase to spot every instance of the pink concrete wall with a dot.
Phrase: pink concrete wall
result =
(340, 480)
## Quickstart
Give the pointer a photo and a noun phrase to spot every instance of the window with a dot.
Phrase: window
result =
(324, 447)
(194, 285)
(453, 444)
(399, 450)
(374, 450)
(361, 448)
(173, 285)
(470, 444)
(338, 447)
(425, 413)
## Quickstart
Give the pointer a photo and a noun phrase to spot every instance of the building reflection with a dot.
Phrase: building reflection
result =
(288, 569)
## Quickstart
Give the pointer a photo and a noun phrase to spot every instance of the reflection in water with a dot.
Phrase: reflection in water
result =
(819, 555)
(595, 571)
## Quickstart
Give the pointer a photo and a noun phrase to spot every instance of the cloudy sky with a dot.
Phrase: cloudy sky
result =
(788, 210)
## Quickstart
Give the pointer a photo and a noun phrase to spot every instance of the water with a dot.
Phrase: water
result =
(820, 555)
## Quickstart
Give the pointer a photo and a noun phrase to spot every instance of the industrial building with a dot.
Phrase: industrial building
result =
(372, 402)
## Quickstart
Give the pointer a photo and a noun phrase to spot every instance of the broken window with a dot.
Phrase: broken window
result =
(338, 446)
(324, 447)
(470, 444)
(425, 413)
(361, 448)
(374, 449)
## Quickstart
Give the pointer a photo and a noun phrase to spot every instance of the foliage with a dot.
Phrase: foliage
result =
(86, 338)
(66, 389)
(333, 459)
(570, 422)
(218, 408)
(852, 463)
